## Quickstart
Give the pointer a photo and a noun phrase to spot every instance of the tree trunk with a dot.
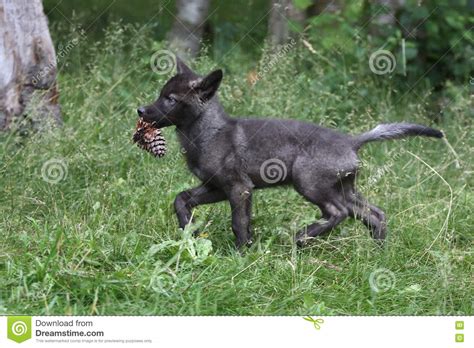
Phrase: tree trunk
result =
(28, 65)
(186, 34)
(281, 13)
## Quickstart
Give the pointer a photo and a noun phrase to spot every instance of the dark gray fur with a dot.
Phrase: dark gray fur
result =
(227, 155)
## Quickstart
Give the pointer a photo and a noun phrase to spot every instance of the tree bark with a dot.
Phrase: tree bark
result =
(281, 12)
(186, 34)
(27, 65)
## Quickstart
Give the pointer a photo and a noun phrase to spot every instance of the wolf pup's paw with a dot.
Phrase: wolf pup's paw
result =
(302, 240)
(242, 244)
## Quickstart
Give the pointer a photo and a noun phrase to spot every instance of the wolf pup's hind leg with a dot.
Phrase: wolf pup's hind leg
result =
(372, 216)
(320, 187)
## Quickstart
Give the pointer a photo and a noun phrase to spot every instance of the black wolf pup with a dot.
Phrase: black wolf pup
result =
(232, 157)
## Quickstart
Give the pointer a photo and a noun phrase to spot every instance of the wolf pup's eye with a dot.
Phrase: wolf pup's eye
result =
(171, 100)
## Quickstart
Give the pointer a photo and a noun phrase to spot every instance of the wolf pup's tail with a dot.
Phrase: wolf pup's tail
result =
(395, 131)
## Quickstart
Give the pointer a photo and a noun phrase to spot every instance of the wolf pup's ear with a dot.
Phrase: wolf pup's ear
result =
(208, 86)
(181, 67)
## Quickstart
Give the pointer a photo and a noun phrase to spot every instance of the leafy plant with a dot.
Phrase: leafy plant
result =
(187, 249)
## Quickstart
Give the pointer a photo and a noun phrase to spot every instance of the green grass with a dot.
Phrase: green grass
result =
(104, 240)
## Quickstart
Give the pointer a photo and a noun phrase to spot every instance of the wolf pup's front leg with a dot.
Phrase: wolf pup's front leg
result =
(240, 198)
(187, 200)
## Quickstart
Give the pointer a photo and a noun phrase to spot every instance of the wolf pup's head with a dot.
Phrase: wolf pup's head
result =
(183, 98)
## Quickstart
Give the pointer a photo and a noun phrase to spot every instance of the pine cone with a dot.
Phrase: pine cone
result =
(149, 138)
